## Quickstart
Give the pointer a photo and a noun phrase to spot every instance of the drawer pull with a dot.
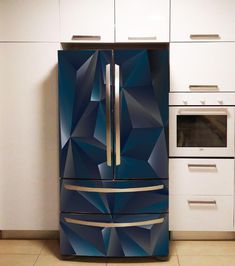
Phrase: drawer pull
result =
(202, 166)
(112, 190)
(203, 87)
(205, 36)
(97, 224)
(142, 38)
(203, 111)
(210, 202)
(86, 37)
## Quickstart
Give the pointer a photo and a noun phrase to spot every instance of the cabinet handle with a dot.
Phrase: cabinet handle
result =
(142, 38)
(210, 202)
(86, 37)
(117, 115)
(111, 225)
(113, 190)
(108, 117)
(205, 36)
(202, 166)
(203, 111)
(203, 87)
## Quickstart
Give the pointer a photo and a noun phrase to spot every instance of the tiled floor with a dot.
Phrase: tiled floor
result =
(182, 253)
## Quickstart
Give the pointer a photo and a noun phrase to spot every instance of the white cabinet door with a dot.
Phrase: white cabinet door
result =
(87, 20)
(202, 20)
(29, 20)
(142, 20)
(29, 179)
(202, 67)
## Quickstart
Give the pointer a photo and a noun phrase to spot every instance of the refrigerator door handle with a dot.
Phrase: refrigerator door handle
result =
(117, 115)
(108, 117)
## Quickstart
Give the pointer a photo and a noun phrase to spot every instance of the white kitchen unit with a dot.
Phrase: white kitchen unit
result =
(142, 21)
(28, 137)
(202, 20)
(202, 67)
(28, 20)
(87, 21)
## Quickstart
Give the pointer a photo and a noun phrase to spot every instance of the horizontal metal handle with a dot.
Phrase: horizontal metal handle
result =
(202, 166)
(97, 224)
(113, 190)
(212, 202)
(86, 37)
(202, 111)
(142, 38)
(203, 87)
(204, 36)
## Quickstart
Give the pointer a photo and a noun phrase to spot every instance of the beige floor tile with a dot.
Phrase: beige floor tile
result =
(207, 260)
(17, 260)
(173, 250)
(21, 246)
(205, 248)
(51, 247)
(173, 261)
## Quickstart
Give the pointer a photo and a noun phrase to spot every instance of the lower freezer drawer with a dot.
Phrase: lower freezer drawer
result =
(114, 235)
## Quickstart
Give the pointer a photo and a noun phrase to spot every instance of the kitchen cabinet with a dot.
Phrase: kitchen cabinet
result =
(28, 136)
(87, 20)
(202, 20)
(142, 21)
(28, 20)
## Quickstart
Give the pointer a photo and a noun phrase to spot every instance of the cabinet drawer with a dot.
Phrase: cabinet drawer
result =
(114, 236)
(202, 67)
(202, 20)
(114, 196)
(201, 213)
(201, 176)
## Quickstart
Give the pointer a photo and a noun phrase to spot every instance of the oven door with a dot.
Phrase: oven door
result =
(201, 131)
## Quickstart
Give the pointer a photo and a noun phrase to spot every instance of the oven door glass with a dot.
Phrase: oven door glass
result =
(202, 130)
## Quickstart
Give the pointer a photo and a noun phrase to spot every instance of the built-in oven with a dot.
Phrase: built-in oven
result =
(201, 124)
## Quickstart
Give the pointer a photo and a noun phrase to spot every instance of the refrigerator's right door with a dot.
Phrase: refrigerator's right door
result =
(141, 113)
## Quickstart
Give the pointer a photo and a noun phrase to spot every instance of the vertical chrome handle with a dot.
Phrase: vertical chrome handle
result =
(117, 115)
(108, 117)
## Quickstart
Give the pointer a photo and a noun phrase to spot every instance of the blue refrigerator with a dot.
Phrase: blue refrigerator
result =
(113, 110)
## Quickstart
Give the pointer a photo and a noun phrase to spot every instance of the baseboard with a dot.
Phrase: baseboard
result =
(29, 234)
(186, 235)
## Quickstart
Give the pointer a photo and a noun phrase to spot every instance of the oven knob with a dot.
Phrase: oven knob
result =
(203, 102)
(185, 102)
(220, 101)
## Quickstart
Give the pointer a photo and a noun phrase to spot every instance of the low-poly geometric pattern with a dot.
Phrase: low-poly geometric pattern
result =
(131, 241)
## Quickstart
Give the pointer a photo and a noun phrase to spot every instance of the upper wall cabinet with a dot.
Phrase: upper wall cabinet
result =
(87, 20)
(28, 20)
(202, 20)
(142, 20)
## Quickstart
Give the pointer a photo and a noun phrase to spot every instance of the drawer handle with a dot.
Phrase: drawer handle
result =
(142, 38)
(113, 190)
(204, 36)
(210, 202)
(203, 87)
(86, 37)
(202, 166)
(97, 224)
(202, 111)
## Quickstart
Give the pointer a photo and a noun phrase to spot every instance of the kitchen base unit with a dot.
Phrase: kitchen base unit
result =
(113, 107)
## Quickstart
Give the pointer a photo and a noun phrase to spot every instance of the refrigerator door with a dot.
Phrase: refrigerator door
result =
(85, 114)
(141, 113)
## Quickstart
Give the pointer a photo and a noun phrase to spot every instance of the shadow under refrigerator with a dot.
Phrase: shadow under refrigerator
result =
(113, 107)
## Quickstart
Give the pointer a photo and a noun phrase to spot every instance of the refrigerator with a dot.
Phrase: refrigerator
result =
(113, 127)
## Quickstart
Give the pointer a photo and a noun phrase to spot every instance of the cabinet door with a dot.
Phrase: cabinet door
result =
(202, 20)
(29, 185)
(142, 93)
(28, 20)
(87, 20)
(142, 21)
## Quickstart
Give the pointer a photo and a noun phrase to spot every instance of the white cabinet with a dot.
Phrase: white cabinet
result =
(202, 20)
(87, 20)
(202, 67)
(28, 20)
(142, 21)
(28, 137)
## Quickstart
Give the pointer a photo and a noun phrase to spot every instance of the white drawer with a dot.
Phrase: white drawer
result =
(201, 213)
(203, 67)
(201, 176)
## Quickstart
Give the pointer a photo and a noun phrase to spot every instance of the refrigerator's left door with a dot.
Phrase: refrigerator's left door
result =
(85, 114)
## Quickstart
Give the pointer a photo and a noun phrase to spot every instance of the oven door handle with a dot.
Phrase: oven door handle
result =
(203, 111)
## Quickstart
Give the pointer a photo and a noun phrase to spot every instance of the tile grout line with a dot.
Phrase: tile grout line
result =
(40, 252)
(36, 260)
(178, 260)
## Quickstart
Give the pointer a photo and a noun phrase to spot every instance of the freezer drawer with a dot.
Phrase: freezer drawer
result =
(114, 235)
(126, 197)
